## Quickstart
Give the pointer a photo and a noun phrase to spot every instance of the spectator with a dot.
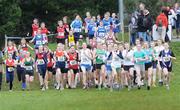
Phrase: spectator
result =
(161, 25)
(177, 11)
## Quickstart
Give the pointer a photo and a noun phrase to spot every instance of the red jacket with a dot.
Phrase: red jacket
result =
(163, 19)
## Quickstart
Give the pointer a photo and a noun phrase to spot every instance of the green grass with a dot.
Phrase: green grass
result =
(155, 99)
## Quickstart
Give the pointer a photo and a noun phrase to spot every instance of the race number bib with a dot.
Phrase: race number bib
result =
(74, 62)
(166, 59)
(29, 68)
(61, 59)
(10, 69)
(100, 57)
(40, 62)
(61, 34)
(101, 34)
(38, 42)
(77, 29)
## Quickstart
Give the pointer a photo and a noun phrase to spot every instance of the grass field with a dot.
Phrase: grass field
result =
(156, 99)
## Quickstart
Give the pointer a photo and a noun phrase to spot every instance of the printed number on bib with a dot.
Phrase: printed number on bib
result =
(40, 62)
(74, 62)
(10, 69)
(38, 42)
(60, 34)
(166, 59)
(101, 34)
(29, 68)
(61, 59)
(77, 30)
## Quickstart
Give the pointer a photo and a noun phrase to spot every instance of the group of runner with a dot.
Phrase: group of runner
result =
(101, 62)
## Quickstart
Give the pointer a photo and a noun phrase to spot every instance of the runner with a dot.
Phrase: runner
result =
(10, 66)
(66, 27)
(41, 64)
(76, 26)
(128, 65)
(166, 57)
(107, 21)
(158, 49)
(148, 63)
(91, 30)
(115, 25)
(139, 60)
(44, 32)
(35, 27)
(108, 66)
(100, 33)
(99, 54)
(117, 60)
(50, 71)
(85, 64)
(71, 38)
(11, 49)
(38, 40)
(73, 67)
(110, 38)
(28, 64)
(60, 57)
(61, 33)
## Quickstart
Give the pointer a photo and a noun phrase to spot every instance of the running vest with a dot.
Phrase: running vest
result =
(165, 56)
(71, 39)
(73, 63)
(28, 64)
(38, 40)
(49, 59)
(109, 39)
(101, 32)
(91, 28)
(100, 56)
(40, 58)
(24, 47)
(128, 57)
(11, 50)
(10, 65)
(60, 32)
(149, 54)
(84, 58)
(60, 56)
(76, 25)
(34, 28)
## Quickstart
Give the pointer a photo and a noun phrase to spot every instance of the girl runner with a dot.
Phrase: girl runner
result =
(24, 45)
(100, 33)
(110, 38)
(99, 55)
(91, 30)
(148, 63)
(44, 32)
(10, 66)
(35, 27)
(128, 64)
(66, 26)
(73, 67)
(38, 40)
(76, 26)
(28, 64)
(107, 21)
(50, 66)
(116, 62)
(139, 60)
(41, 63)
(11, 49)
(108, 66)
(61, 33)
(60, 59)
(115, 25)
(167, 56)
(158, 49)
(154, 63)
(87, 21)
(85, 64)
(71, 39)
